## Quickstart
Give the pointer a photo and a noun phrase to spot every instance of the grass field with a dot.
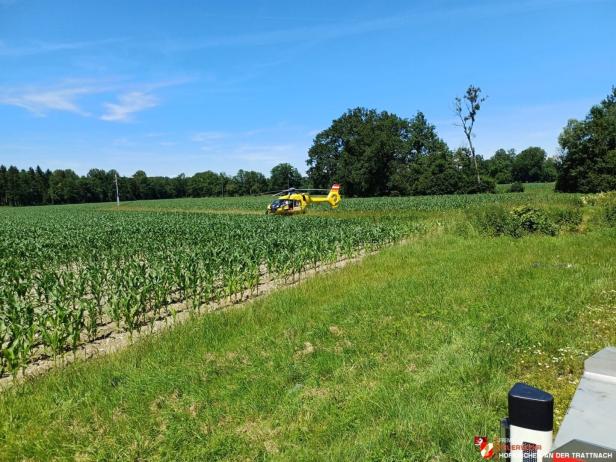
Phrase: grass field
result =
(404, 356)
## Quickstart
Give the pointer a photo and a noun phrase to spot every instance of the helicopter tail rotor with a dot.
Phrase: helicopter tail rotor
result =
(333, 198)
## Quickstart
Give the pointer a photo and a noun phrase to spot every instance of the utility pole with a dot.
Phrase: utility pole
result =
(117, 190)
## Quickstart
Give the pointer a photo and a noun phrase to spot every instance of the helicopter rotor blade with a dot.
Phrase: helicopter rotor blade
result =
(283, 192)
(268, 193)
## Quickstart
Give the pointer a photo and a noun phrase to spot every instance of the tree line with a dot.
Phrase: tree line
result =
(376, 153)
(433, 169)
(37, 187)
(369, 153)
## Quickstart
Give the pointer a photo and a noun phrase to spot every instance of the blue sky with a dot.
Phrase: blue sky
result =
(186, 86)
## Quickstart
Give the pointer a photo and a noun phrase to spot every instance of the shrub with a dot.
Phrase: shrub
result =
(533, 220)
(517, 222)
(516, 187)
(487, 185)
(494, 221)
(568, 219)
(609, 214)
(605, 203)
(602, 198)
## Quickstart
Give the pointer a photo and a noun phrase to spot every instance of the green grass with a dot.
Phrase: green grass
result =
(535, 188)
(404, 356)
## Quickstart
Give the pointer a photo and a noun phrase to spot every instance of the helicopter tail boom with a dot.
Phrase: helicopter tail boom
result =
(333, 198)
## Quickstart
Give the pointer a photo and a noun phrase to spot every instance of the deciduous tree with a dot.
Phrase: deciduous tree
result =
(588, 159)
(285, 176)
(467, 108)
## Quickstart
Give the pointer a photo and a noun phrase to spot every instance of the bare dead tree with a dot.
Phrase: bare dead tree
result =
(467, 108)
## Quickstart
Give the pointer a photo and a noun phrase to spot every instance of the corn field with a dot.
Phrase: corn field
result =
(67, 271)
(257, 204)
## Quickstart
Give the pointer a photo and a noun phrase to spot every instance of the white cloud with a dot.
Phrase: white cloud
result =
(259, 148)
(268, 152)
(41, 101)
(256, 153)
(39, 47)
(203, 137)
(128, 104)
(319, 32)
(328, 30)
(132, 97)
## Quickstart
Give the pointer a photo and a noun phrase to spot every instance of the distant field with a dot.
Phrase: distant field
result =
(529, 187)
(403, 356)
(535, 192)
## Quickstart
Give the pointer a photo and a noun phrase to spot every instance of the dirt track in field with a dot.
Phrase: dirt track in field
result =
(112, 339)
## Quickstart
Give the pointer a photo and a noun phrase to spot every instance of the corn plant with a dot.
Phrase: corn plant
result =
(66, 272)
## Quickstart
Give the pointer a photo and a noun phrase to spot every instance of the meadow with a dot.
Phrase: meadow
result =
(405, 355)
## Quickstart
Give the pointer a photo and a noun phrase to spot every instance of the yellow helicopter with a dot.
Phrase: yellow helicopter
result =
(294, 201)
